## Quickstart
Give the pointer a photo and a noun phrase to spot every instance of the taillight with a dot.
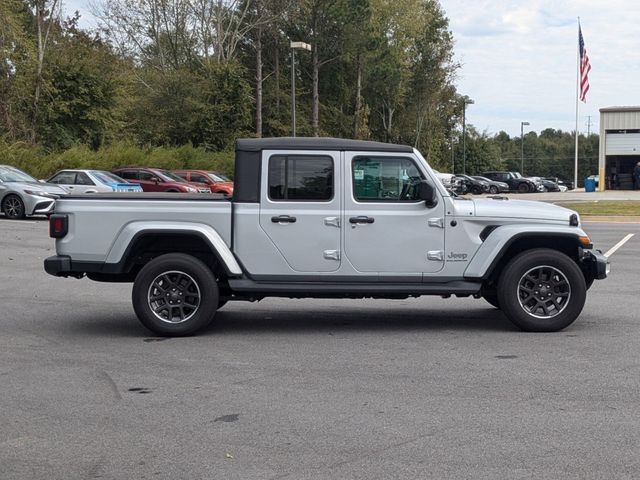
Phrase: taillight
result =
(58, 225)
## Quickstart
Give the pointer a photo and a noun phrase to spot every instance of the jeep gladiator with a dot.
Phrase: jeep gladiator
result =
(326, 218)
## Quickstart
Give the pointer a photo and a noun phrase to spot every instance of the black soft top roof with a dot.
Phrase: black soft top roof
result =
(316, 143)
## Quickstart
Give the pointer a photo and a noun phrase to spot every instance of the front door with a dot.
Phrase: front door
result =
(387, 229)
(300, 208)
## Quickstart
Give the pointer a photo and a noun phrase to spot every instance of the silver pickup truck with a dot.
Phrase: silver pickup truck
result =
(326, 218)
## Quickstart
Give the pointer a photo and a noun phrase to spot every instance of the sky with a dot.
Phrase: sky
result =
(518, 59)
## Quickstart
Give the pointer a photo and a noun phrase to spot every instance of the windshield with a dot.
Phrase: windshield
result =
(10, 174)
(217, 177)
(482, 179)
(168, 176)
(108, 177)
(517, 174)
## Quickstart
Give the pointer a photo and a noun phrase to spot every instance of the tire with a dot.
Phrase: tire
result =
(476, 190)
(13, 207)
(523, 188)
(492, 299)
(548, 309)
(493, 189)
(182, 280)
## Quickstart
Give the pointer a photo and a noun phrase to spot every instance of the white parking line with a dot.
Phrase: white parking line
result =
(615, 248)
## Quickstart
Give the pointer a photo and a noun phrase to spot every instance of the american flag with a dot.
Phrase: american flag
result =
(585, 68)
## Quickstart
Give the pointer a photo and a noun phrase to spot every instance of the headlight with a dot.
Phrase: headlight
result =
(39, 193)
(191, 189)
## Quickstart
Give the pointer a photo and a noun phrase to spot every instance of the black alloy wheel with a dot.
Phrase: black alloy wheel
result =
(542, 290)
(175, 295)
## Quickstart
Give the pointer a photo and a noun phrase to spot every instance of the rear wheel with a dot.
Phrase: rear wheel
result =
(542, 290)
(13, 207)
(175, 295)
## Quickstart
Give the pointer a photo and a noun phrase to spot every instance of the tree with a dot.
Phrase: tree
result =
(46, 14)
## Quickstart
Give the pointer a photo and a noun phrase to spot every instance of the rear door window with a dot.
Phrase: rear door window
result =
(83, 179)
(301, 178)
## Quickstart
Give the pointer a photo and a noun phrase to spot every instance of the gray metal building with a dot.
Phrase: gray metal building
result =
(619, 146)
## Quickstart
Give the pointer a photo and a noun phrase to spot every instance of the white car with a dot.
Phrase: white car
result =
(445, 178)
(92, 181)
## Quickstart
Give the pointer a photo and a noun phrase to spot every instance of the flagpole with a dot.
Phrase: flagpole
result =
(575, 165)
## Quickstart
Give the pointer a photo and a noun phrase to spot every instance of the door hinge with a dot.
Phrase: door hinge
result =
(436, 222)
(437, 255)
(332, 254)
(332, 222)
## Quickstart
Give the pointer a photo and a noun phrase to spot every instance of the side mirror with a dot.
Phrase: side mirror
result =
(427, 193)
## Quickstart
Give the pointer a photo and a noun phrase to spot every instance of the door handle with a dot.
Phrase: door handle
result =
(283, 219)
(361, 220)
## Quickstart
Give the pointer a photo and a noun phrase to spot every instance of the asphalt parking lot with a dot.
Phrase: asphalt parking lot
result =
(313, 389)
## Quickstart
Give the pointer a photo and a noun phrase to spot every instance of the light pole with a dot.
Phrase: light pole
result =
(522, 124)
(295, 46)
(467, 101)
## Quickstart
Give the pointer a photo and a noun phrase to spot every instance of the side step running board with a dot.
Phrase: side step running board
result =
(458, 287)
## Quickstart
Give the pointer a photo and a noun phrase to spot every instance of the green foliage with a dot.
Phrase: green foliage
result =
(207, 107)
(550, 154)
(159, 85)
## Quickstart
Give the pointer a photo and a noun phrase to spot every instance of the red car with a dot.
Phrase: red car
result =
(217, 183)
(158, 180)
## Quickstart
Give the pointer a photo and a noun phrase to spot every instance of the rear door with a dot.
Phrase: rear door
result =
(387, 229)
(300, 208)
(145, 178)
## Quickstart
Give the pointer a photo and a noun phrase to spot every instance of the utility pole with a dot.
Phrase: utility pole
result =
(589, 123)
(295, 46)
(466, 101)
(522, 124)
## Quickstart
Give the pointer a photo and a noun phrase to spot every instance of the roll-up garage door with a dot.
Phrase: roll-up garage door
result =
(623, 144)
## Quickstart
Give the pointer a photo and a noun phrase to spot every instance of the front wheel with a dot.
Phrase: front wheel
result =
(175, 295)
(493, 189)
(13, 207)
(542, 290)
(523, 188)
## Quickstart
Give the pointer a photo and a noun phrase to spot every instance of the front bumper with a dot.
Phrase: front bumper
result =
(596, 264)
(38, 204)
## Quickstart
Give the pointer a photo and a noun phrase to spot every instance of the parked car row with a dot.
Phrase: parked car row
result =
(22, 195)
(502, 182)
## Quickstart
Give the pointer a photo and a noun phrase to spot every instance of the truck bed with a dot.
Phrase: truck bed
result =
(102, 225)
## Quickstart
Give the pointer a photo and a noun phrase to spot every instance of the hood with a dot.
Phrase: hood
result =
(40, 187)
(525, 209)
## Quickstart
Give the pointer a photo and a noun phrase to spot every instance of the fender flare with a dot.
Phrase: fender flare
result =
(501, 238)
(128, 235)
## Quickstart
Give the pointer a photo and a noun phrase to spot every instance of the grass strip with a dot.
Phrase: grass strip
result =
(605, 208)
